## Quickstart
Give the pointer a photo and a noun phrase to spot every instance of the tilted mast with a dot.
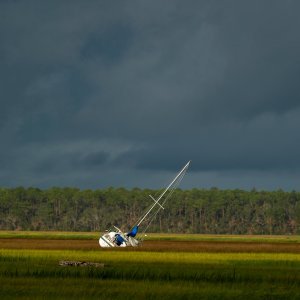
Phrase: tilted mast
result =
(176, 180)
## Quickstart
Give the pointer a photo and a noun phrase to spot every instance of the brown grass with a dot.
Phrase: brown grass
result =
(163, 246)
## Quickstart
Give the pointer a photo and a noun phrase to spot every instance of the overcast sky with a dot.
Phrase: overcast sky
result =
(124, 93)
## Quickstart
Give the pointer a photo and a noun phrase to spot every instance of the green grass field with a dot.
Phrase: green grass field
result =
(35, 274)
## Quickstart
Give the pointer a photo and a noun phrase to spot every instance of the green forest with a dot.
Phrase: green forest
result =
(211, 211)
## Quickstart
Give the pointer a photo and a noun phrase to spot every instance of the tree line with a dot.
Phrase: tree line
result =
(212, 211)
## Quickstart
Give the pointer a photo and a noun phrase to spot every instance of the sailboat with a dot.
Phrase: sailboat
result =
(117, 238)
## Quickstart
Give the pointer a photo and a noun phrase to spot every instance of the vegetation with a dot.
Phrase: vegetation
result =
(29, 274)
(67, 235)
(211, 211)
(52, 235)
(170, 268)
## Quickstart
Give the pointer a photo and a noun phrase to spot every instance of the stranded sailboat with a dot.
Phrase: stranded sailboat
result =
(116, 238)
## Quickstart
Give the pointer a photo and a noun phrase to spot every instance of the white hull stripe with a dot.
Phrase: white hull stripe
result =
(107, 242)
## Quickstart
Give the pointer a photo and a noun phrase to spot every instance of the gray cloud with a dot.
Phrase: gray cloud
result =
(93, 88)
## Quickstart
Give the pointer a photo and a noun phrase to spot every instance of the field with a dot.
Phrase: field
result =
(166, 267)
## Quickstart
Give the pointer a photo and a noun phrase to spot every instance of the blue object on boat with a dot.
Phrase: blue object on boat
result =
(118, 239)
(133, 232)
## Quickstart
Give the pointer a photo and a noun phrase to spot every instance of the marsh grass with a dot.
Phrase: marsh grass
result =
(66, 235)
(150, 274)
(224, 238)
(86, 288)
(36, 274)
(48, 235)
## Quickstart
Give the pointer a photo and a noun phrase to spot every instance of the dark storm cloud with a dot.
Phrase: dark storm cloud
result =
(234, 147)
(92, 92)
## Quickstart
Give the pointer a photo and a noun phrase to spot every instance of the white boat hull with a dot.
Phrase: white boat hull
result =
(108, 240)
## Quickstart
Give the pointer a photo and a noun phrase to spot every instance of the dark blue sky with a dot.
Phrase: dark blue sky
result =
(124, 93)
